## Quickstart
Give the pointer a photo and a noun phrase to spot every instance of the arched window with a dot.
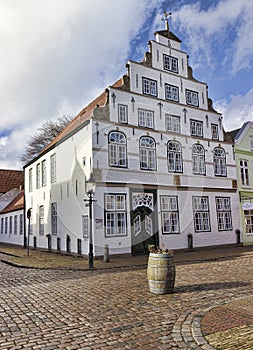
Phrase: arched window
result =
(219, 162)
(175, 163)
(198, 159)
(147, 153)
(117, 149)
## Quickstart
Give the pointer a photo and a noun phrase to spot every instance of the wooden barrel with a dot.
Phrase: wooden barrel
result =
(161, 273)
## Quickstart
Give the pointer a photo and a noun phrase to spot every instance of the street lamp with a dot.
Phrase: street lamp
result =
(28, 214)
(90, 188)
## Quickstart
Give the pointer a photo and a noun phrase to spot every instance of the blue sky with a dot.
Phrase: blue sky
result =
(59, 55)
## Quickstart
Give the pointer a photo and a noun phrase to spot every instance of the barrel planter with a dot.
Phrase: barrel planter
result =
(161, 273)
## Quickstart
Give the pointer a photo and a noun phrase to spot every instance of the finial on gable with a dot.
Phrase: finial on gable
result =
(166, 20)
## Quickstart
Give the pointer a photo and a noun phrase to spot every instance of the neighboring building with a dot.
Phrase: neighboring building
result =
(156, 148)
(244, 159)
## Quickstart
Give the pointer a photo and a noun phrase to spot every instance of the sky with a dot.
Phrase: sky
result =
(58, 55)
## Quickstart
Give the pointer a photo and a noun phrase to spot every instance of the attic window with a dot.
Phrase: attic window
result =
(170, 63)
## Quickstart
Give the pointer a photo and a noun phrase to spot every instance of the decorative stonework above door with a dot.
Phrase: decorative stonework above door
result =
(143, 199)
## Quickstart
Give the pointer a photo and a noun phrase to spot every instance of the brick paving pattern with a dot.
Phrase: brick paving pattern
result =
(113, 308)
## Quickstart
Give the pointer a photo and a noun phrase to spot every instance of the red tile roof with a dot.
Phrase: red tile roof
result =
(10, 179)
(16, 204)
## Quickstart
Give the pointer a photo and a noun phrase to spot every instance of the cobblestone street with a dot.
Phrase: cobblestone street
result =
(211, 308)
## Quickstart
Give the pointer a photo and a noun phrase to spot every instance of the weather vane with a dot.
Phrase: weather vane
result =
(166, 20)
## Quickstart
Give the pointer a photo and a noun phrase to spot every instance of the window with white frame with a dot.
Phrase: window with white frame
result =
(244, 171)
(41, 220)
(30, 180)
(53, 167)
(85, 221)
(172, 123)
(44, 173)
(115, 215)
(21, 224)
(38, 176)
(170, 214)
(171, 92)
(196, 128)
(215, 132)
(248, 219)
(219, 162)
(145, 118)
(149, 86)
(117, 149)
(198, 159)
(2, 225)
(201, 214)
(54, 220)
(147, 153)
(6, 225)
(15, 224)
(122, 113)
(170, 63)
(224, 217)
(192, 98)
(175, 163)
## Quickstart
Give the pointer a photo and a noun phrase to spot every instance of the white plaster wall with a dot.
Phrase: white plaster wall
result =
(11, 237)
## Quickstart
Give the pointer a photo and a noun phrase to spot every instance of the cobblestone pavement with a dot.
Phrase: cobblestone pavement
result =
(211, 308)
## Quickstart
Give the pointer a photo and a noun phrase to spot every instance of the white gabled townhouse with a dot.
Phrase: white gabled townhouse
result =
(155, 146)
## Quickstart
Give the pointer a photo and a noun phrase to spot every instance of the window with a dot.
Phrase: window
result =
(117, 149)
(53, 167)
(170, 215)
(6, 226)
(219, 161)
(149, 87)
(115, 215)
(224, 214)
(122, 113)
(10, 224)
(175, 163)
(146, 118)
(147, 153)
(85, 221)
(41, 220)
(192, 98)
(248, 218)
(172, 123)
(244, 170)
(54, 218)
(30, 180)
(251, 143)
(198, 159)
(171, 93)
(201, 214)
(2, 225)
(44, 173)
(170, 63)
(15, 224)
(215, 133)
(196, 128)
(38, 176)
(21, 224)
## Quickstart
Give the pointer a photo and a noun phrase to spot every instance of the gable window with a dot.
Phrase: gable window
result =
(122, 113)
(38, 176)
(172, 123)
(251, 143)
(219, 162)
(170, 214)
(115, 215)
(147, 153)
(198, 159)
(201, 214)
(117, 149)
(30, 180)
(224, 214)
(21, 224)
(196, 128)
(54, 218)
(44, 173)
(145, 118)
(192, 98)
(41, 220)
(170, 63)
(53, 167)
(244, 171)
(175, 164)
(149, 87)
(215, 133)
(171, 92)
